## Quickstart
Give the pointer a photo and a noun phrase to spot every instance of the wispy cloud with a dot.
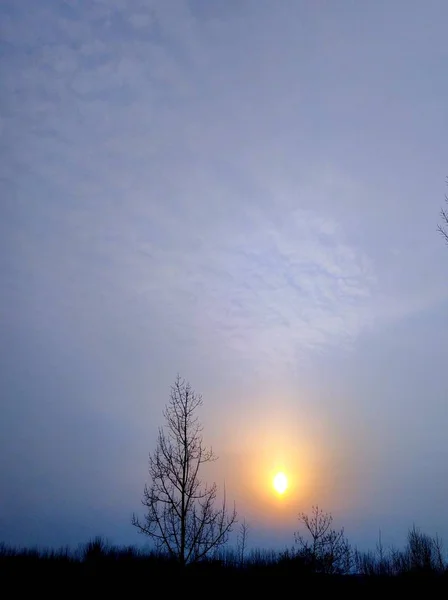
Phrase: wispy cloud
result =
(142, 186)
(162, 161)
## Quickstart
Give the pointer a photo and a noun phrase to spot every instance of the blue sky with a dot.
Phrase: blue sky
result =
(244, 192)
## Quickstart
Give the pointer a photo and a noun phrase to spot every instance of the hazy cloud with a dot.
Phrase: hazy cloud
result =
(186, 184)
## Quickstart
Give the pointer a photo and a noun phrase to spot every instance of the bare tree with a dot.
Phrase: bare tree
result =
(443, 228)
(421, 554)
(378, 562)
(324, 549)
(181, 516)
(242, 541)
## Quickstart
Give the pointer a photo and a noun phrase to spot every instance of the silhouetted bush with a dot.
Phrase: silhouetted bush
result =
(322, 548)
(419, 565)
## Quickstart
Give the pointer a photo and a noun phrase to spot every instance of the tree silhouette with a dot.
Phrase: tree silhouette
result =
(443, 228)
(181, 516)
(326, 550)
(242, 541)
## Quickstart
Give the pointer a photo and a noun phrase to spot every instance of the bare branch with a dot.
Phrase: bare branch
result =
(443, 228)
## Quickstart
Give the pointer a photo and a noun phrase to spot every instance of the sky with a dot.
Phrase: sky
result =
(247, 193)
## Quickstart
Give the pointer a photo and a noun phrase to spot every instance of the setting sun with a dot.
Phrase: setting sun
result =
(280, 483)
